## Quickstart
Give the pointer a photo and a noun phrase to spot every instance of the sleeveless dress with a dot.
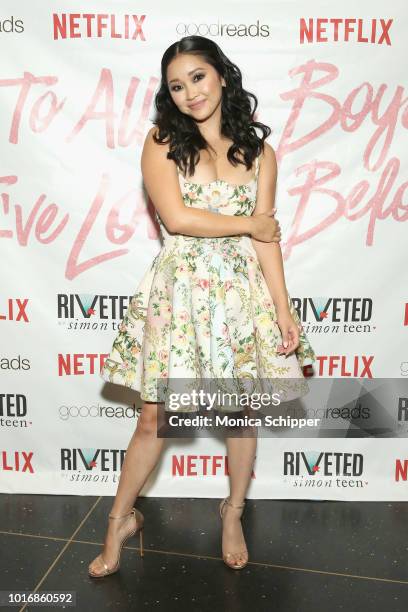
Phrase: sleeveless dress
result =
(203, 308)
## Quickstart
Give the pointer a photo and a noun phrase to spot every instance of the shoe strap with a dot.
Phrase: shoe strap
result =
(133, 511)
(241, 552)
(227, 501)
(104, 564)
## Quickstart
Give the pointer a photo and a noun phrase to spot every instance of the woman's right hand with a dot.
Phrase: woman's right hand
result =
(265, 227)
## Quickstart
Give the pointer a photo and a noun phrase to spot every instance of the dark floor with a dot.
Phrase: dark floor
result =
(304, 555)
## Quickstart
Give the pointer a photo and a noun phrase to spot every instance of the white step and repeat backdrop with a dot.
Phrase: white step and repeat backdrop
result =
(76, 100)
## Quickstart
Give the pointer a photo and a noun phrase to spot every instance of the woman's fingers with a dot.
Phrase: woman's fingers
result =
(278, 236)
(293, 343)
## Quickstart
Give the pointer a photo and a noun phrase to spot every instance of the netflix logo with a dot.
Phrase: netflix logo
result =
(14, 309)
(200, 465)
(17, 461)
(80, 364)
(340, 366)
(98, 25)
(320, 30)
(401, 470)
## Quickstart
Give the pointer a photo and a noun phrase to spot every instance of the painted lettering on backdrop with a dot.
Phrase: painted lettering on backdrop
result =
(376, 201)
(46, 221)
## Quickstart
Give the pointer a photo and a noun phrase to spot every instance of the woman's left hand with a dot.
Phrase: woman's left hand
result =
(290, 334)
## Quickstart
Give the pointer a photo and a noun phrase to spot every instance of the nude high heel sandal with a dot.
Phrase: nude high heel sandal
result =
(227, 557)
(138, 528)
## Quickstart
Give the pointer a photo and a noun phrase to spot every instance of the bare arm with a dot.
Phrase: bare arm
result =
(161, 180)
(270, 254)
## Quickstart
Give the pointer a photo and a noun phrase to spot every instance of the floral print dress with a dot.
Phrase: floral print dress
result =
(203, 309)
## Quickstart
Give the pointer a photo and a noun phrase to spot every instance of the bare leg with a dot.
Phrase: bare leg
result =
(140, 459)
(241, 455)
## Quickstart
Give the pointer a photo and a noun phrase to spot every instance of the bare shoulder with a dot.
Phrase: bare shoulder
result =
(268, 168)
(154, 155)
(152, 146)
(268, 157)
(268, 149)
(154, 131)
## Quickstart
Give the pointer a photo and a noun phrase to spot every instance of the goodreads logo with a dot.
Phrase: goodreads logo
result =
(223, 29)
(11, 25)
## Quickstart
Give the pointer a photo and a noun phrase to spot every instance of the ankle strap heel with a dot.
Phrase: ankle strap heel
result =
(228, 557)
(226, 500)
(234, 505)
(133, 511)
(138, 528)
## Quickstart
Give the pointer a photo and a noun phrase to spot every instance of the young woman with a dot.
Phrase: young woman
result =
(214, 302)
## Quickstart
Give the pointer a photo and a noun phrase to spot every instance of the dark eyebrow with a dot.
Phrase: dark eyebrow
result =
(188, 73)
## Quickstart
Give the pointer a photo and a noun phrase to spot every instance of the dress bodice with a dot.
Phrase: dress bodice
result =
(218, 196)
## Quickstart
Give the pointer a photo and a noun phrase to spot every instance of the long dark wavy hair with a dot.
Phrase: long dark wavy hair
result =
(237, 117)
